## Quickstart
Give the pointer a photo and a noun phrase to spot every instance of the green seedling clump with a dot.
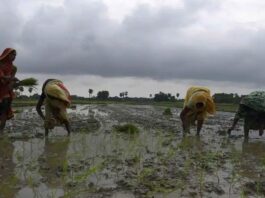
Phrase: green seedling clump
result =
(167, 112)
(127, 128)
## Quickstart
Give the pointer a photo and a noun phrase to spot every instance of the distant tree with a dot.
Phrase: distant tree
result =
(30, 89)
(90, 91)
(35, 96)
(150, 95)
(177, 95)
(103, 95)
(23, 97)
(223, 98)
(21, 89)
(237, 98)
(17, 93)
(126, 93)
(122, 94)
(162, 97)
(226, 98)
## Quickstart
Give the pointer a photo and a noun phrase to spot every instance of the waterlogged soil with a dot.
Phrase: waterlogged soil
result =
(157, 161)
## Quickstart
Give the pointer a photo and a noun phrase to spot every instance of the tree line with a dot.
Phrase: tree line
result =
(158, 97)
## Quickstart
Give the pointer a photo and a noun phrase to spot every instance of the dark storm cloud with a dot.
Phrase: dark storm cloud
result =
(79, 38)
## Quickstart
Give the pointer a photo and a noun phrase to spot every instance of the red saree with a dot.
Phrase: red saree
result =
(7, 69)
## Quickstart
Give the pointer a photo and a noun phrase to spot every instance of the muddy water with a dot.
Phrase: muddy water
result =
(97, 161)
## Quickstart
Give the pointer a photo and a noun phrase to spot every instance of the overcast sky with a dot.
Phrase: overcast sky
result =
(139, 46)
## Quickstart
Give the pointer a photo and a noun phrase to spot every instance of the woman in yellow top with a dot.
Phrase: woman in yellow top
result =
(198, 105)
(56, 98)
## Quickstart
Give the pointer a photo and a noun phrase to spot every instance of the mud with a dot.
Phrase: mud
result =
(158, 161)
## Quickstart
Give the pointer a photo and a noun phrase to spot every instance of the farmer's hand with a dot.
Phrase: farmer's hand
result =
(13, 83)
(16, 82)
(15, 79)
(229, 131)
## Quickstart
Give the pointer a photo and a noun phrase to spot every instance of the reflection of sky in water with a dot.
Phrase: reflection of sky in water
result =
(253, 159)
(41, 191)
(90, 149)
(85, 110)
(26, 157)
(91, 146)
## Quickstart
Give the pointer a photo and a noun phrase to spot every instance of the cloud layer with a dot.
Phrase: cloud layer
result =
(193, 41)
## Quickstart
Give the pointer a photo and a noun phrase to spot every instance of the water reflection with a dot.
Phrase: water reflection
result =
(253, 159)
(53, 161)
(8, 179)
(37, 162)
(98, 158)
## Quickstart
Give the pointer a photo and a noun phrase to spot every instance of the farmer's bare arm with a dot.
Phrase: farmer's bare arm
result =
(199, 126)
(183, 116)
(68, 128)
(39, 104)
(236, 119)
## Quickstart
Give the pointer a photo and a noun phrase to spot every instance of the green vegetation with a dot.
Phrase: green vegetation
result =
(228, 107)
(28, 82)
(103, 95)
(23, 103)
(159, 97)
(127, 128)
(227, 98)
(167, 112)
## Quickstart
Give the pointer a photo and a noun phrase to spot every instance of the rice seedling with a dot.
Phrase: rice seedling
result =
(167, 112)
(127, 128)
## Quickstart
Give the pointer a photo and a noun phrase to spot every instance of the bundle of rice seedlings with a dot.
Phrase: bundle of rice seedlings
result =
(28, 82)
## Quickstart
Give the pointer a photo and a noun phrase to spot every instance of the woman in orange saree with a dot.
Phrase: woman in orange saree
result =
(7, 82)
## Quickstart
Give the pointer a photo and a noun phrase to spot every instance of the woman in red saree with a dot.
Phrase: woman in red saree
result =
(7, 81)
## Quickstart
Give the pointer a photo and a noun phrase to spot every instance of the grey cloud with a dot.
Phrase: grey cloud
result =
(195, 5)
(79, 38)
(9, 24)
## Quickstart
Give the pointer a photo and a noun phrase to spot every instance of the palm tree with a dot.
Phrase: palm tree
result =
(121, 94)
(21, 89)
(90, 91)
(30, 91)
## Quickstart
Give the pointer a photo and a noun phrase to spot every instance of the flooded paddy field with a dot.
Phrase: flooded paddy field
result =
(156, 161)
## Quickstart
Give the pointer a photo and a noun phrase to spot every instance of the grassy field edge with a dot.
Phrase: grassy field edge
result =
(226, 107)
